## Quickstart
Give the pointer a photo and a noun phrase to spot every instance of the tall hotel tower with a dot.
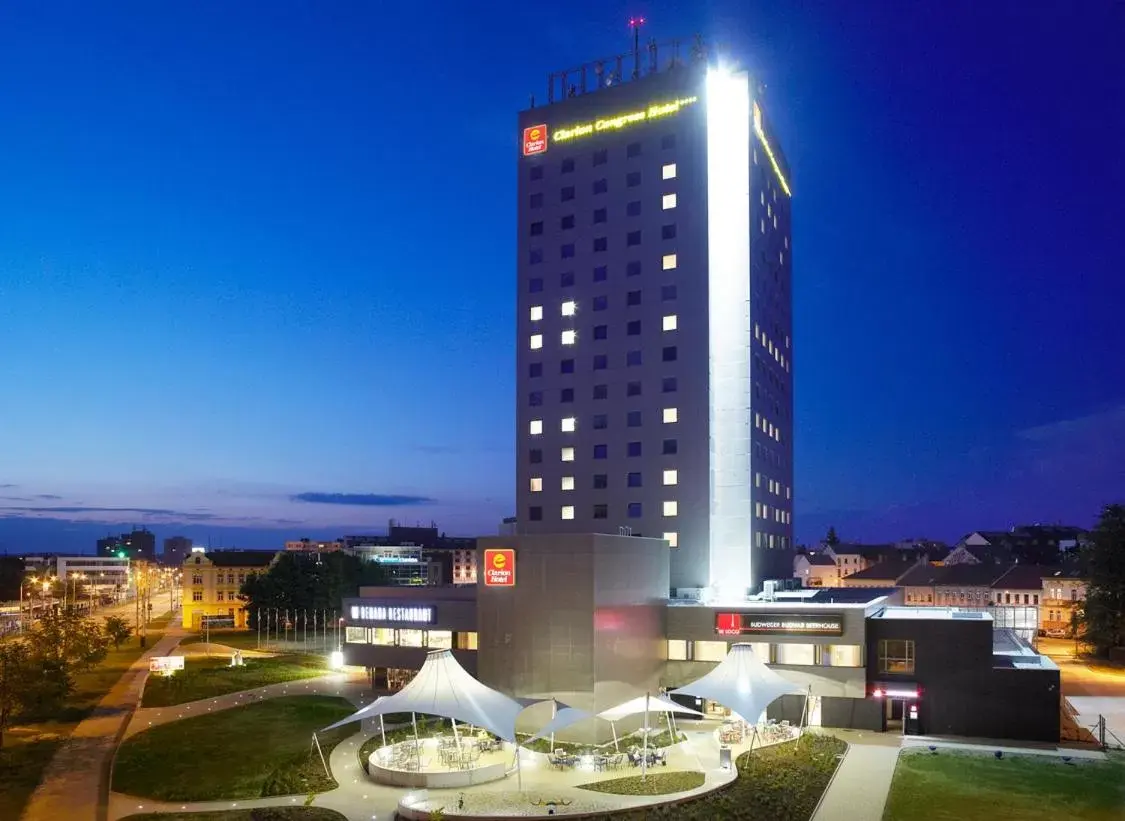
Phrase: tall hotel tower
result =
(655, 349)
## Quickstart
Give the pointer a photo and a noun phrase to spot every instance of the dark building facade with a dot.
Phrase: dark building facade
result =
(140, 544)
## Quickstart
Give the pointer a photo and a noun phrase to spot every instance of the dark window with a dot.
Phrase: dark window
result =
(535, 285)
(669, 353)
(535, 398)
(601, 186)
(536, 172)
(567, 194)
(633, 359)
(633, 150)
(633, 238)
(600, 243)
(567, 166)
(536, 200)
(535, 514)
(633, 298)
(669, 447)
(535, 456)
(633, 419)
(668, 231)
(566, 279)
(566, 366)
(633, 480)
(600, 215)
(633, 179)
(601, 302)
(600, 451)
(536, 229)
(667, 292)
(668, 141)
(567, 250)
(600, 421)
(601, 273)
(896, 656)
(633, 328)
(634, 510)
(566, 395)
(600, 362)
(601, 481)
(535, 256)
(633, 389)
(633, 269)
(601, 156)
(601, 391)
(633, 209)
(535, 369)
(633, 449)
(567, 222)
(668, 384)
(601, 332)
(601, 511)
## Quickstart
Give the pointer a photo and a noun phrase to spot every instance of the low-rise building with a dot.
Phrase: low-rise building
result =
(313, 546)
(883, 574)
(959, 585)
(1064, 592)
(212, 584)
(815, 570)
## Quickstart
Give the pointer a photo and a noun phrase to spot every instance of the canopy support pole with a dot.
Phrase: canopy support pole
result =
(382, 730)
(644, 759)
(613, 726)
(456, 737)
(804, 714)
(519, 769)
(554, 715)
(316, 742)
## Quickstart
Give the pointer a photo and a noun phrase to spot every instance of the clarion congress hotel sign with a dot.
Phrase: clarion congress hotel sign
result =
(499, 567)
(793, 624)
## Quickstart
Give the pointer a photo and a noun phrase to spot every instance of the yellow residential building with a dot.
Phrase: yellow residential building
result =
(212, 581)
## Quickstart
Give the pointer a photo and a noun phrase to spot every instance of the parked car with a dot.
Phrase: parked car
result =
(1058, 633)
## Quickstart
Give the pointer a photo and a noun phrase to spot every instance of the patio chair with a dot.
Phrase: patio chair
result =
(553, 761)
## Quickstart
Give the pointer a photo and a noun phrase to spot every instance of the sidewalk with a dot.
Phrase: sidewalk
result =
(75, 783)
(858, 790)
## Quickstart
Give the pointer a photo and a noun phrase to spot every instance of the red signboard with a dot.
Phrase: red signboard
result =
(499, 567)
(534, 140)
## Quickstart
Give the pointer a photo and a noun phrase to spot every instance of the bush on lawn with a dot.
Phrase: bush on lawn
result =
(652, 784)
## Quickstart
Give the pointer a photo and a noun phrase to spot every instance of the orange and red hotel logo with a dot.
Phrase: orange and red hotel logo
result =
(534, 140)
(499, 567)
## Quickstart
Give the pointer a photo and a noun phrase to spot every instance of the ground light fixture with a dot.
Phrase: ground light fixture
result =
(336, 660)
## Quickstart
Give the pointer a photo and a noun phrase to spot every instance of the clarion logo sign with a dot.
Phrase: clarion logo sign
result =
(738, 624)
(499, 567)
(404, 615)
(534, 140)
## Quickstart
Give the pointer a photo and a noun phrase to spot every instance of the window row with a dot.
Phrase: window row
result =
(600, 186)
(402, 637)
(668, 447)
(818, 655)
(764, 511)
(600, 362)
(600, 157)
(600, 481)
(601, 274)
(773, 486)
(599, 421)
(633, 239)
(668, 509)
(633, 208)
(774, 350)
(668, 384)
(668, 322)
(766, 426)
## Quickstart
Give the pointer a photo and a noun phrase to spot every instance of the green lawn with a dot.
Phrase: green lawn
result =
(246, 752)
(259, 814)
(22, 762)
(238, 639)
(962, 786)
(210, 677)
(652, 784)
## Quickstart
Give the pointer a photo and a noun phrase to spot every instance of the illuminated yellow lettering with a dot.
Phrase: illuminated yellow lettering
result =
(619, 121)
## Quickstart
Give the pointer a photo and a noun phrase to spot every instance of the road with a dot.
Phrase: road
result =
(1092, 689)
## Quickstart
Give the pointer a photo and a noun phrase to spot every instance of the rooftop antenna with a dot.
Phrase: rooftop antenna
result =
(635, 24)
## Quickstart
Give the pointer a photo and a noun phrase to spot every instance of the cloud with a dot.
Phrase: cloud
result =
(15, 498)
(8, 486)
(435, 450)
(47, 496)
(362, 499)
(145, 511)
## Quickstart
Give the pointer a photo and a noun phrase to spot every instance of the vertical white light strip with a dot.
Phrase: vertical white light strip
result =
(728, 262)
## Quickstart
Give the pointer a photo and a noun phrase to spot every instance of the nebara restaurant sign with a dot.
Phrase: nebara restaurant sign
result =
(402, 615)
(791, 624)
(499, 567)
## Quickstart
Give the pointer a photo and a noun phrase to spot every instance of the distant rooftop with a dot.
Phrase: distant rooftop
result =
(940, 613)
(858, 597)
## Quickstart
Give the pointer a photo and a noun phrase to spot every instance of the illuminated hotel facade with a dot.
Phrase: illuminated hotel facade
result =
(655, 343)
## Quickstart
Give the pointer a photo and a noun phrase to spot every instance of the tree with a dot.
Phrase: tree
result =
(304, 582)
(11, 577)
(19, 674)
(118, 630)
(832, 539)
(1103, 559)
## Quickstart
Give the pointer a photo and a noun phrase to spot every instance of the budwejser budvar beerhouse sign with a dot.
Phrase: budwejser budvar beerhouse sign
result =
(792, 624)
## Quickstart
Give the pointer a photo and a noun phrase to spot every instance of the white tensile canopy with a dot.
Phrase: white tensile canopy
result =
(443, 688)
(563, 718)
(644, 704)
(741, 683)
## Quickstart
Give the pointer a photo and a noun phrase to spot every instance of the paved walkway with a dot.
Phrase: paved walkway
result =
(74, 783)
(987, 747)
(858, 790)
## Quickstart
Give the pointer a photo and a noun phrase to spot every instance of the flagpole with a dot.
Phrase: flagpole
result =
(644, 759)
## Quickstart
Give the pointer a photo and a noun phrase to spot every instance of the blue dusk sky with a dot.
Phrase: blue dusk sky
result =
(257, 259)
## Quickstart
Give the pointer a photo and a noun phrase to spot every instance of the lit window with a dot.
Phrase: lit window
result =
(670, 508)
(568, 454)
(677, 648)
(670, 415)
(669, 201)
(672, 538)
(536, 313)
(536, 427)
(671, 477)
(568, 511)
(568, 424)
(669, 262)
(669, 171)
(568, 308)
(669, 323)
(568, 337)
(536, 341)
(568, 483)
(536, 484)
